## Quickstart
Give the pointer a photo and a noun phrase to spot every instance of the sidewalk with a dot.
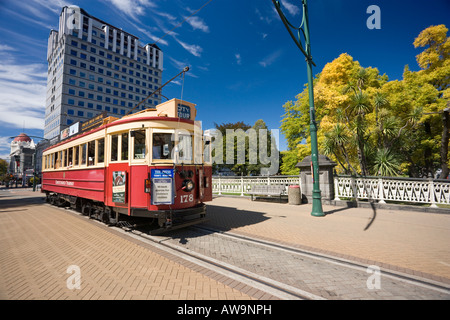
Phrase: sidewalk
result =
(407, 241)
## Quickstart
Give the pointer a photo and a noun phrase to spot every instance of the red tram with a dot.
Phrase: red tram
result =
(153, 164)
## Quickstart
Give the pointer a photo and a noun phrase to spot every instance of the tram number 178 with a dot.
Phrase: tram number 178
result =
(187, 198)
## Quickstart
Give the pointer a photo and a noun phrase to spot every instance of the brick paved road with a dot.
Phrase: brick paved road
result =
(39, 242)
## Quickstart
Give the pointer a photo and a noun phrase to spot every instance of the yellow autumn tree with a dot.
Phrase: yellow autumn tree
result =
(372, 126)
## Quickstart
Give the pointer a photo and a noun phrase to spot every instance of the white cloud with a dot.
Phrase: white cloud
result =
(291, 8)
(22, 94)
(270, 59)
(132, 8)
(5, 47)
(198, 24)
(193, 49)
(238, 58)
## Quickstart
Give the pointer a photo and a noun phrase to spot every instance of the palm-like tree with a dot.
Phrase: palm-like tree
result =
(385, 163)
(359, 107)
(334, 143)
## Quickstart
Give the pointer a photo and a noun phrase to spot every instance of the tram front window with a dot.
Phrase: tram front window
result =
(162, 146)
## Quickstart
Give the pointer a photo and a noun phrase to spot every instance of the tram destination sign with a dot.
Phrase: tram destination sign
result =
(93, 122)
(184, 112)
(162, 186)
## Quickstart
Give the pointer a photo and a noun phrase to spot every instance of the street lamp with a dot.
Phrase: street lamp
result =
(317, 210)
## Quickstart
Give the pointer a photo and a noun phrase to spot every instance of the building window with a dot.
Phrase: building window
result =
(73, 62)
(80, 113)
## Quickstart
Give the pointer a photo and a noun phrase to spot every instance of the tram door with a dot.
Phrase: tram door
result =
(117, 173)
(138, 168)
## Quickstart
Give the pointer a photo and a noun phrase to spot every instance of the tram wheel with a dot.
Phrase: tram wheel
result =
(86, 209)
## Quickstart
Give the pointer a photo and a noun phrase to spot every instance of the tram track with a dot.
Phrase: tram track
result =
(268, 285)
(419, 281)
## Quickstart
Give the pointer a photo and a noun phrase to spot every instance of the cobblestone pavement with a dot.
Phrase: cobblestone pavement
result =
(316, 275)
(412, 242)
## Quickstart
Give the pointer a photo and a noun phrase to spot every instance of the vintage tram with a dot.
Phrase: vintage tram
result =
(153, 164)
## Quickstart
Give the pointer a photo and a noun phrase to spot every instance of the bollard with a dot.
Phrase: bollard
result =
(294, 195)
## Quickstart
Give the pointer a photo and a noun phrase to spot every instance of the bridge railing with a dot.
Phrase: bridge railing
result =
(382, 189)
(236, 185)
(396, 189)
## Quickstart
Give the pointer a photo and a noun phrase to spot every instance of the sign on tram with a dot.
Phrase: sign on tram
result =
(162, 186)
(184, 112)
(119, 187)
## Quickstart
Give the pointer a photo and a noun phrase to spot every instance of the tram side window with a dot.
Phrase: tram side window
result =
(124, 146)
(64, 157)
(114, 147)
(53, 164)
(69, 157)
(91, 153)
(162, 145)
(57, 160)
(101, 150)
(75, 156)
(139, 144)
(83, 153)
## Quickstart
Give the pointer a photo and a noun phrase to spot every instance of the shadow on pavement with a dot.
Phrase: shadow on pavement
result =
(20, 200)
(222, 219)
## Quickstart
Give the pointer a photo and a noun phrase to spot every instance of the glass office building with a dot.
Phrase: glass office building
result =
(94, 67)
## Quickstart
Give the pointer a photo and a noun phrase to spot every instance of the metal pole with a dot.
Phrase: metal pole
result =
(317, 209)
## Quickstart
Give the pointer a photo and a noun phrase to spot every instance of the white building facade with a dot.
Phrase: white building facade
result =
(95, 67)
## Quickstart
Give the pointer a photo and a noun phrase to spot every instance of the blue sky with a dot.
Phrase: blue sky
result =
(244, 66)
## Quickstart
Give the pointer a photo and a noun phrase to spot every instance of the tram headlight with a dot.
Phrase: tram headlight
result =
(188, 185)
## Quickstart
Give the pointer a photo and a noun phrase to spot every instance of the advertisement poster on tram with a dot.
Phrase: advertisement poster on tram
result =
(119, 187)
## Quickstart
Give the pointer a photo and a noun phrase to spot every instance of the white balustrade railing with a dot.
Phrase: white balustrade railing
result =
(383, 189)
(241, 185)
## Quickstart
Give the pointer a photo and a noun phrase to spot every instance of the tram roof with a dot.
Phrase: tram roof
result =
(171, 110)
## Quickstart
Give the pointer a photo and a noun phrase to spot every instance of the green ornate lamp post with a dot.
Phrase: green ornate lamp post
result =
(317, 210)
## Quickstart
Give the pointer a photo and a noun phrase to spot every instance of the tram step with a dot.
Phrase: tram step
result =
(125, 225)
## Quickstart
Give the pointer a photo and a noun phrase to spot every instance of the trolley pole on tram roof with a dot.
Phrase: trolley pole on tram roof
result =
(317, 209)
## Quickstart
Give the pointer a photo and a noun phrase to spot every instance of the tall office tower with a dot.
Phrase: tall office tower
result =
(94, 67)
